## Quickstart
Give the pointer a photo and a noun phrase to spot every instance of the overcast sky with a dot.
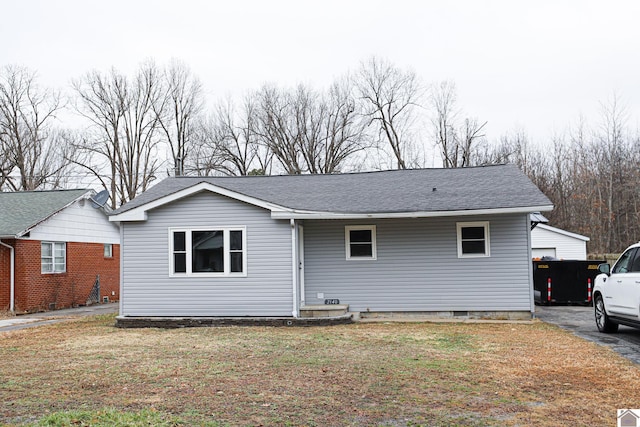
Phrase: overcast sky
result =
(535, 65)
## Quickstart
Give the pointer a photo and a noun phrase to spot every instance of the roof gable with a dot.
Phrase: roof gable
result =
(416, 192)
(23, 210)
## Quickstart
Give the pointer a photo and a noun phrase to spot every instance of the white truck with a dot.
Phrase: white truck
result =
(616, 292)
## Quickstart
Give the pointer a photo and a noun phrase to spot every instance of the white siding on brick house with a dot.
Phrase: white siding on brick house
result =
(148, 290)
(417, 266)
(547, 240)
(78, 222)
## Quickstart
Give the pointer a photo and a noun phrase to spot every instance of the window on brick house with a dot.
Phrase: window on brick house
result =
(108, 250)
(53, 257)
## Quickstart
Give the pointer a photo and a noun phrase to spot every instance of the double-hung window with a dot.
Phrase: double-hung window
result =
(473, 239)
(53, 257)
(219, 251)
(360, 242)
(108, 250)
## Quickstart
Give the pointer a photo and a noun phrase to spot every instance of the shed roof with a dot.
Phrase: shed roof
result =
(22, 210)
(384, 192)
(563, 232)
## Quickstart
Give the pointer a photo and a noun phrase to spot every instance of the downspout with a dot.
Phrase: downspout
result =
(294, 266)
(120, 297)
(532, 305)
(13, 276)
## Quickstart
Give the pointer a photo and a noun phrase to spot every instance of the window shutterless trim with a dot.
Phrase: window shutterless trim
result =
(486, 239)
(347, 241)
(226, 252)
(52, 258)
(108, 253)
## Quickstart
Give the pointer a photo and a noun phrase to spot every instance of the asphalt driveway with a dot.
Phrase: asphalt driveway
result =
(48, 317)
(580, 320)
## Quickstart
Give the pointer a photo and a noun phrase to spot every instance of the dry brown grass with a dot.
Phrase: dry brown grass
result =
(6, 314)
(362, 374)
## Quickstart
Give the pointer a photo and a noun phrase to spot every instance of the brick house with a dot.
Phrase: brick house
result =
(57, 250)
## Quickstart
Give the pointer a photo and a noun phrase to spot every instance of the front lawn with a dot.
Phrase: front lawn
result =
(87, 372)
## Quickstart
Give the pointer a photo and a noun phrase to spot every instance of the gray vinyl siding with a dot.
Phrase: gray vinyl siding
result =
(417, 266)
(147, 289)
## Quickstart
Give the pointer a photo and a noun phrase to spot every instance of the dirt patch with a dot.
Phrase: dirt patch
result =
(361, 374)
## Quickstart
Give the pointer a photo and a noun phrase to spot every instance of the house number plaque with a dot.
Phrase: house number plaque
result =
(331, 301)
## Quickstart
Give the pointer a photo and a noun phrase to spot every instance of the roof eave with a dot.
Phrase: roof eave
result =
(139, 213)
(564, 232)
(298, 214)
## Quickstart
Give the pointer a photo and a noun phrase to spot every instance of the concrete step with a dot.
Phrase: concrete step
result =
(329, 310)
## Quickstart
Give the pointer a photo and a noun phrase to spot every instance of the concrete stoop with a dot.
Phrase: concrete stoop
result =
(323, 311)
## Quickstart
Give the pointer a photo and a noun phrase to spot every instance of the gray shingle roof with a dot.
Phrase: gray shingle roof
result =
(20, 211)
(416, 190)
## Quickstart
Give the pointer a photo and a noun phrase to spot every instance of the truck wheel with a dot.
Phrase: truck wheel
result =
(603, 322)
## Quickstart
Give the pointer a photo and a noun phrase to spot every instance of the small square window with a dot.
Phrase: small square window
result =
(473, 239)
(108, 250)
(360, 242)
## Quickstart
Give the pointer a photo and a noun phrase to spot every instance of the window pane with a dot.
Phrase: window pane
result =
(59, 249)
(180, 263)
(635, 265)
(108, 250)
(623, 264)
(362, 236)
(47, 266)
(179, 241)
(59, 267)
(207, 251)
(473, 247)
(361, 250)
(46, 249)
(235, 242)
(472, 233)
(236, 262)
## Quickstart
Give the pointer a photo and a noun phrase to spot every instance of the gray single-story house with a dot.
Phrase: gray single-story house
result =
(452, 242)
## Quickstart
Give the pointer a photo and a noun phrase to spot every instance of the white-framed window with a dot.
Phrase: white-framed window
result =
(473, 239)
(53, 257)
(360, 242)
(215, 251)
(108, 250)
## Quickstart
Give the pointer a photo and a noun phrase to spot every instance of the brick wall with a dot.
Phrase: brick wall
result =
(37, 292)
(5, 275)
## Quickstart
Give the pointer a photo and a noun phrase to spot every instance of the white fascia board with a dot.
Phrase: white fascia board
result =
(563, 232)
(140, 213)
(294, 214)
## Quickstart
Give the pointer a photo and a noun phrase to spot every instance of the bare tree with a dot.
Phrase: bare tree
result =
(123, 139)
(456, 140)
(389, 98)
(229, 142)
(30, 146)
(178, 111)
(342, 132)
(310, 131)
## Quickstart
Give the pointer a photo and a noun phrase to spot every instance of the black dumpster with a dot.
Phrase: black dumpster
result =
(564, 282)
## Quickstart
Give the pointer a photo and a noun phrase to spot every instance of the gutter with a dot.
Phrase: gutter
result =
(13, 276)
(301, 214)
